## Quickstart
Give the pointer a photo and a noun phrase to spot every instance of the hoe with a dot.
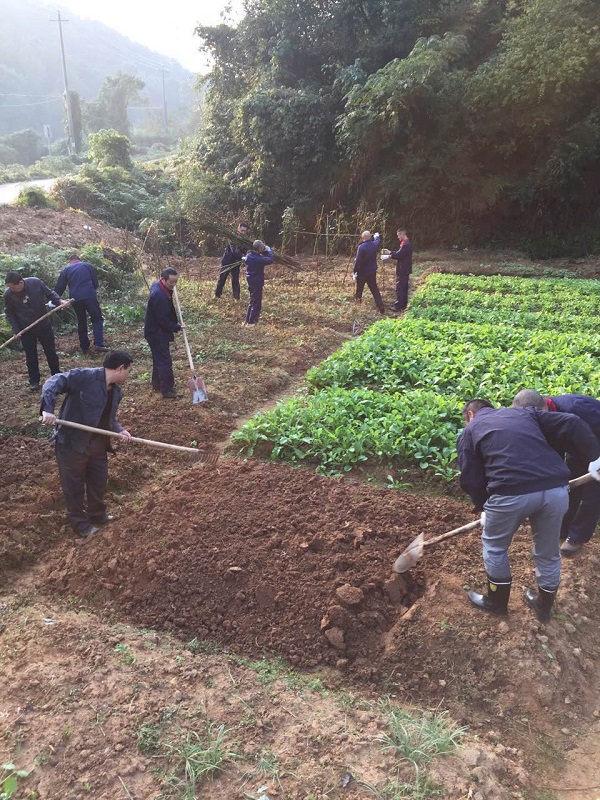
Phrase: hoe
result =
(415, 550)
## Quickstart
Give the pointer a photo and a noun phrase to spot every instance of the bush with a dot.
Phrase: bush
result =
(34, 197)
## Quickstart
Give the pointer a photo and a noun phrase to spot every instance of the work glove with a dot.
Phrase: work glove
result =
(385, 257)
(376, 236)
(594, 469)
(482, 518)
(354, 276)
(267, 249)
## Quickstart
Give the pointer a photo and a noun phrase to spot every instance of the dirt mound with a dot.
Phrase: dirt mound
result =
(262, 558)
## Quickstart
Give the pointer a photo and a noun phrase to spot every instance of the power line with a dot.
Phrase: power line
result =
(39, 103)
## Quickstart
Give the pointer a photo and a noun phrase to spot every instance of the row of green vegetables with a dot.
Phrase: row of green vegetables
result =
(394, 395)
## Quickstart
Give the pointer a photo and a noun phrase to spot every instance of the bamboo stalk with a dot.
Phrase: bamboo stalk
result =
(37, 322)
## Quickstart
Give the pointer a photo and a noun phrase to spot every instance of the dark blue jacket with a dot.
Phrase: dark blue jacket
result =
(81, 278)
(404, 257)
(23, 308)
(587, 409)
(514, 451)
(86, 396)
(365, 261)
(255, 268)
(233, 253)
(161, 318)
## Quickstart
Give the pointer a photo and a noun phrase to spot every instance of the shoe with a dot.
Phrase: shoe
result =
(102, 520)
(398, 309)
(89, 532)
(570, 548)
(381, 310)
(172, 395)
(101, 348)
(496, 600)
(540, 602)
(34, 387)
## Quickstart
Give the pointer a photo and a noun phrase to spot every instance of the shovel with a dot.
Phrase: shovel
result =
(415, 550)
(195, 384)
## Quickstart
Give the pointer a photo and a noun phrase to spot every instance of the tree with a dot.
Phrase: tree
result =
(109, 109)
(107, 148)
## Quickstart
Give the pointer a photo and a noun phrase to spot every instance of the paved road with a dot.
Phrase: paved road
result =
(10, 191)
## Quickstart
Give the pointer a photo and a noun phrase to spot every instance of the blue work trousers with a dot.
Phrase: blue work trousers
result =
(255, 305)
(162, 363)
(505, 513)
(91, 307)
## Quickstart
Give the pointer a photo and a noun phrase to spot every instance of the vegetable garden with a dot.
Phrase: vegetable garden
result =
(393, 397)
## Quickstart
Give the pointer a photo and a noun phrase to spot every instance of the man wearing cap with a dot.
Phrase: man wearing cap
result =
(583, 514)
(24, 302)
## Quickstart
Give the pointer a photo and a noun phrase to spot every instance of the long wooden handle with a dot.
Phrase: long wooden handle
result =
(463, 529)
(470, 525)
(185, 339)
(113, 434)
(37, 322)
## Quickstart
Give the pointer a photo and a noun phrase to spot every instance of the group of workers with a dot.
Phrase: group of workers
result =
(512, 460)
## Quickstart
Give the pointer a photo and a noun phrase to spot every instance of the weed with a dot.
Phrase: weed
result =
(199, 756)
(419, 739)
(147, 739)
(124, 651)
(9, 780)
(421, 789)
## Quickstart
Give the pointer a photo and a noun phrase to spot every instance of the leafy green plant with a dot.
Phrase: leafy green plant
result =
(9, 780)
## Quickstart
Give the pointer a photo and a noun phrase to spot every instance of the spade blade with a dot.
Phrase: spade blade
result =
(409, 557)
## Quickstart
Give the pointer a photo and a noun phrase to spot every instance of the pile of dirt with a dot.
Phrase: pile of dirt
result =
(263, 558)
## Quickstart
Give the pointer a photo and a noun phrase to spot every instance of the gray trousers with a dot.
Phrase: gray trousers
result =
(504, 514)
(83, 478)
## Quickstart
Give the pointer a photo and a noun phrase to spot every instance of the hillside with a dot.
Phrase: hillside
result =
(31, 81)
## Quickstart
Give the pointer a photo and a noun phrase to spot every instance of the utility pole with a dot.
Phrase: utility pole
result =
(165, 118)
(71, 137)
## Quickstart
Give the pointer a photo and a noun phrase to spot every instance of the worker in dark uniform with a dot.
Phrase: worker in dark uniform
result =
(24, 302)
(365, 268)
(403, 258)
(256, 260)
(80, 276)
(233, 255)
(510, 468)
(160, 325)
(92, 398)
(583, 514)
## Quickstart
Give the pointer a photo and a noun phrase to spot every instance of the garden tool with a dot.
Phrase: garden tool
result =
(199, 455)
(195, 384)
(415, 550)
(37, 322)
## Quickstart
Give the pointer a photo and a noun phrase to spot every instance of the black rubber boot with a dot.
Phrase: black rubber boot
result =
(540, 602)
(496, 600)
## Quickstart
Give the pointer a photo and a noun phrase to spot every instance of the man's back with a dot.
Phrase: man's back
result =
(80, 277)
(366, 257)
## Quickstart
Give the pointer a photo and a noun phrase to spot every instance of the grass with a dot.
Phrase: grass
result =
(419, 739)
(421, 789)
(199, 756)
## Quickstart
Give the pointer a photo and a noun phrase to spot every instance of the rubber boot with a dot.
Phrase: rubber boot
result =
(540, 602)
(496, 600)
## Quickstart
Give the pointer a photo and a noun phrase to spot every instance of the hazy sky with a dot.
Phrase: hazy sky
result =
(167, 28)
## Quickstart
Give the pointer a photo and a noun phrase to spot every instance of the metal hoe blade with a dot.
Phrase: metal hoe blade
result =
(409, 557)
(198, 390)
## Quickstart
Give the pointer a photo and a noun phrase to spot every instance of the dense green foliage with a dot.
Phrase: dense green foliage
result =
(394, 395)
(465, 119)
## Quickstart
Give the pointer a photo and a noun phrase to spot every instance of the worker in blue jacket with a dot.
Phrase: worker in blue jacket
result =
(583, 514)
(80, 276)
(231, 263)
(160, 325)
(403, 258)
(510, 468)
(256, 260)
(92, 398)
(24, 302)
(365, 268)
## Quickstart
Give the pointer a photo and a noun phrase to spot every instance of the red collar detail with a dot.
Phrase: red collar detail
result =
(551, 404)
